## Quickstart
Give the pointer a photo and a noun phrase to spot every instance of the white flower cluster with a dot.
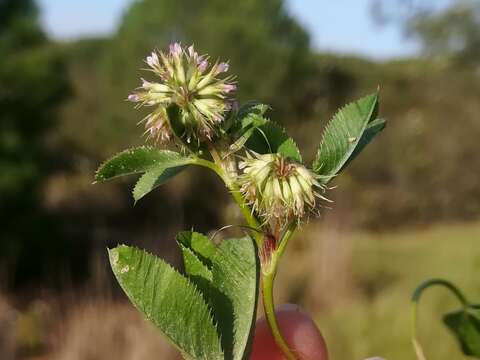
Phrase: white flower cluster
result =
(187, 81)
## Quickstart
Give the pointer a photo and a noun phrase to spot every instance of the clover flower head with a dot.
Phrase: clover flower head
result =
(279, 189)
(185, 79)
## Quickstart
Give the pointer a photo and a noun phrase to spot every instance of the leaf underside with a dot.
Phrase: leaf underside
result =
(157, 166)
(169, 300)
(157, 176)
(131, 161)
(350, 130)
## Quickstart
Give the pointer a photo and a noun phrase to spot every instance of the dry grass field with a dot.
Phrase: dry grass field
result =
(356, 285)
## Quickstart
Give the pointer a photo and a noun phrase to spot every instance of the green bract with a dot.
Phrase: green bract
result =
(209, 311)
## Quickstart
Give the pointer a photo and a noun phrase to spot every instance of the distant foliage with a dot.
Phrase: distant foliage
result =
(448, 31)
(32, 83)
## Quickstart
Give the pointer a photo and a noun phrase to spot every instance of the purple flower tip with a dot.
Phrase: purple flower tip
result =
(202, 66)
(152, 60)
(229, 87)
(175, 49)
(133, 98)
(222, 67)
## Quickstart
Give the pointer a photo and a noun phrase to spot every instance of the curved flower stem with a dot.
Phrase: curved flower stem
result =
(235, 192)
(414, 308)
(269, 270)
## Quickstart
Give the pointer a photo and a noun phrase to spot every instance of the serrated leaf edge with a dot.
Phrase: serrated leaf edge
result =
(121, 153)
(195, 289)
(317, 167)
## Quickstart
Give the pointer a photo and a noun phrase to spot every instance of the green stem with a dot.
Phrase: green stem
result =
(285, 238)
(237, 196)
(269, 271)
(269, 308)
(414, 308)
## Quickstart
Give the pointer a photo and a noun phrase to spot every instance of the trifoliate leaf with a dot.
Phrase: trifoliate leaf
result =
(169, 300)
(350, 130)
(465, 325)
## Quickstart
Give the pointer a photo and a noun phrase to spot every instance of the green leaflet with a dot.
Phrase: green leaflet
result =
(350, 130)
(199, 244)
(132, 161)
(236, 275)
(271, 138)
(260, 134)
(157, 165)
(252, 107)
(169, 300)
(158, 175)
(247, 120)
(465, 325)
(232, 290)
(371, 131)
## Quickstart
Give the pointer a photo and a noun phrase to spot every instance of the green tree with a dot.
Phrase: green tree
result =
(32, 82)
(452, 31)
(257, 37)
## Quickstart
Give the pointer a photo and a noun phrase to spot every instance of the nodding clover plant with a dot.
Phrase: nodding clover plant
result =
(464, 323)
(209, 312)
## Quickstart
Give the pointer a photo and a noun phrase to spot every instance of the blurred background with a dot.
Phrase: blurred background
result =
(407, 209)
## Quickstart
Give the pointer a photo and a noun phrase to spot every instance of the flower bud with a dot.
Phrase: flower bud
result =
(278, 189)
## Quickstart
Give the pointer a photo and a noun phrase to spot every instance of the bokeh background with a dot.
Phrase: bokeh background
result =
(407, 209)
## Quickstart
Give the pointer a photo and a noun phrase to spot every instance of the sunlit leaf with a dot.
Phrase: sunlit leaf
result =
(233, 290)
(169, 300)
(133, 161)
(350, 130)
(235, 274)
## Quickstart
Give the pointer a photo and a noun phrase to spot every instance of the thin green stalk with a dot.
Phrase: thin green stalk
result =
(285, 238)
(269, 272)
(237, 196)
(269, 308)
(414, 309)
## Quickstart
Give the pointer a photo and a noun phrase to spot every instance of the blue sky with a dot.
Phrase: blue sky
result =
(335, 25)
